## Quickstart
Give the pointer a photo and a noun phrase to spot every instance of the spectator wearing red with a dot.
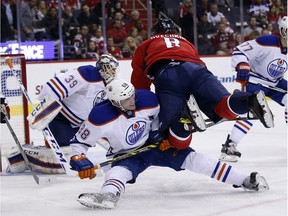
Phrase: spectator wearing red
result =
(112, 49)
(135, 16)
(135, 34)
(118, 16)
(223, 42)
(118, 33)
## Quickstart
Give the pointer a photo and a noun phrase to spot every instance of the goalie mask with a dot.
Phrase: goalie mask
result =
(107, 65)
(164, 25)
(119, 90)
(283, 27)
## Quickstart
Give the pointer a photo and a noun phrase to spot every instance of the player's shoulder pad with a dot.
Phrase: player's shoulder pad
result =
(145, 99)
(103, 113)
(268, 40)
(90, 73)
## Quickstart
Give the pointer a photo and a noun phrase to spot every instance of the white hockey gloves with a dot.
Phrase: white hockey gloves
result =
(44, 113)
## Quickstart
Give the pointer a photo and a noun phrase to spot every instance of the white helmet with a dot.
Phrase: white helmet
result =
(283, 27)
(118, 90)
(107, 66)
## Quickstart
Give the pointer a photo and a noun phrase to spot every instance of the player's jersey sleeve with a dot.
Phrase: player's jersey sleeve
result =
(66, 84)
(267, 63)
(138, 77)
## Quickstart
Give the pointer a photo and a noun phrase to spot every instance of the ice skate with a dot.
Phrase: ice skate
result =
(229, 151)
(254, 182)
(192, 117)
(258, 106)
(99, 200)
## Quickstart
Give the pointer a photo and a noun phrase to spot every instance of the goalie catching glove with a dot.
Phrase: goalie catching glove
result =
(84, 166)
(44, 113)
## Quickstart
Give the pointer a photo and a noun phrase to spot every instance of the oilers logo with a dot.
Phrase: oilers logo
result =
(100, 96)
(135, 132)
(277, 68)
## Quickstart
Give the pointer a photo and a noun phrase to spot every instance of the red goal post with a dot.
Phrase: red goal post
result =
(10, 88)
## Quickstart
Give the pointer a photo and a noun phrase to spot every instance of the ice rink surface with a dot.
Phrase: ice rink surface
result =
(162, 192)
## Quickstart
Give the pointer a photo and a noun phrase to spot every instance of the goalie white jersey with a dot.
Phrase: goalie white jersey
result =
(267, 64)
(77, 91)
(137, 124)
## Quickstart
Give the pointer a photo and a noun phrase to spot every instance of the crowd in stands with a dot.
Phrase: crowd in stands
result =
(83, 33)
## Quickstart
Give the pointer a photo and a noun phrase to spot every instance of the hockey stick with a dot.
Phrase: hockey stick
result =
(46, 131)
(271, 87)
(154, 145)
(26, 161)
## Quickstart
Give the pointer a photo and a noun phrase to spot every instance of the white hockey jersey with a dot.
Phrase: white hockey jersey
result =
(77, 90)
(125, 131)
(266, 57)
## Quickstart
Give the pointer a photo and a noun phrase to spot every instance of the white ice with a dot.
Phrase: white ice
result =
(162, 192)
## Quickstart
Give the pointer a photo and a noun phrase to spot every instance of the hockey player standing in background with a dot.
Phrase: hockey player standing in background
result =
(127, 121)
(260, 64)
(77, 91)
(174, 66)
(3, 102)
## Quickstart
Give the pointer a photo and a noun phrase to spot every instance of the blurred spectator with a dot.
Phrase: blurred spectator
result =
(99, 40)
(214, 16)
(223, 42)
(280, 7)
(129, 47)
(159, 6)
(186, 24)
(51, 24)
(8, 20)
(86, 17)
(135, 34)
(92, 50)
(184, 7)
(253, 35)
(142, 29)
(272, 15)
(228, 28)
(258, 8)
(135, 16)
(205, 31)
(69, 17)
(80, 42)
(118, 34)
(265, 32)
(40, 12)
(112, 49)
(118, 16)
(237, 38)
(252, 26)
(27, 13)
(118, 8)
(202, 7)
(73, 4)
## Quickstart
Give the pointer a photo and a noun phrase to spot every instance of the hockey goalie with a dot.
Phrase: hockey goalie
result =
(65, 102)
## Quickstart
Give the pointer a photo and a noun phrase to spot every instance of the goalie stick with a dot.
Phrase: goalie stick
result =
(272, 88)
(46, 131)
(26, 161)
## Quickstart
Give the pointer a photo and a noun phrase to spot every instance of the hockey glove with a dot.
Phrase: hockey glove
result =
(5, 110)
(83, 165)
(242, 73)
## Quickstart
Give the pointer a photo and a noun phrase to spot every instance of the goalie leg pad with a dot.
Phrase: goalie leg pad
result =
(42, 159)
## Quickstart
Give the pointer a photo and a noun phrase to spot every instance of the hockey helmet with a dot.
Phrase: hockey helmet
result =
(118, 90)
(283, 27)
(164, 25)
(107, 66)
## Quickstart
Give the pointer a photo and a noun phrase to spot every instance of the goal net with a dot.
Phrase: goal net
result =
(10, 88)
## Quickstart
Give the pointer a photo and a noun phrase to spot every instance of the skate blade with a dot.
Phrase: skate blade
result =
(199, 122)
(89, 202)
(268, 116)
(263, 185)
(228, 158)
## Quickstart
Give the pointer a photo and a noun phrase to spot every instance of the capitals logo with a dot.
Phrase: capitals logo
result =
(277, 68)
(135, 132)
(100, 96)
